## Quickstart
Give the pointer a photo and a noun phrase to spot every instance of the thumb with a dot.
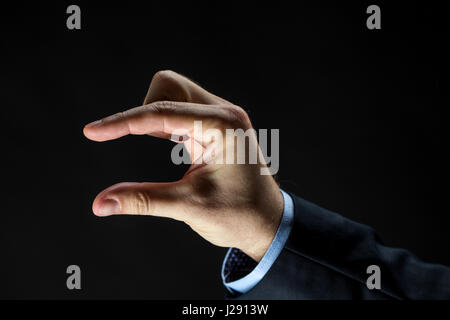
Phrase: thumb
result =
(156, 199)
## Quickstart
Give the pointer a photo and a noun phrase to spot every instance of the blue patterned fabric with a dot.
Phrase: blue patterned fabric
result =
(238, 265)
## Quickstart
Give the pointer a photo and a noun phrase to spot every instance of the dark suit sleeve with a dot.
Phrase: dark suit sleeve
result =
(326, 257)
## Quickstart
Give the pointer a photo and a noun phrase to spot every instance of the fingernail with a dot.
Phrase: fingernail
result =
(93, 124)
(109, 207)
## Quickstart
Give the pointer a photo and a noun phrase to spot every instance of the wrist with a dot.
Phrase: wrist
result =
(258, 251)
(267, 226)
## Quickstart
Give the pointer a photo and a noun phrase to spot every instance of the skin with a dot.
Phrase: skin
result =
(229, 205)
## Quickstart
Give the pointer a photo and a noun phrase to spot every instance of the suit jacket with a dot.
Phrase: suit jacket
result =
(326, 257)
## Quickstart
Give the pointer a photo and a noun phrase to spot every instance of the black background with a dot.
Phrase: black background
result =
(361, 113)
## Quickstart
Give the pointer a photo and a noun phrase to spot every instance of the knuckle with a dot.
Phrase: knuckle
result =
(162, 106)
(237, 115)
(163, 75)
(141, 203)
(170, 85)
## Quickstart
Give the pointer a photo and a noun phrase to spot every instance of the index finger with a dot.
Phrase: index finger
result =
(158, 119)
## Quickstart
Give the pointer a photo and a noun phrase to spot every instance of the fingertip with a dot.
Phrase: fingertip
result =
(96, 207)
(85, 132)
(106, 207)
(90, 133)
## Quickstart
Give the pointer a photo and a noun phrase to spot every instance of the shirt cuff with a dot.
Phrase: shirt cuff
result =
(240, 273)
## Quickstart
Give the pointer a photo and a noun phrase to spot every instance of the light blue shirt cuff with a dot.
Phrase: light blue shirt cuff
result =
(246, 283)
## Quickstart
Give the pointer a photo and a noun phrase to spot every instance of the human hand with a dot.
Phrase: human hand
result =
(230, 205)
